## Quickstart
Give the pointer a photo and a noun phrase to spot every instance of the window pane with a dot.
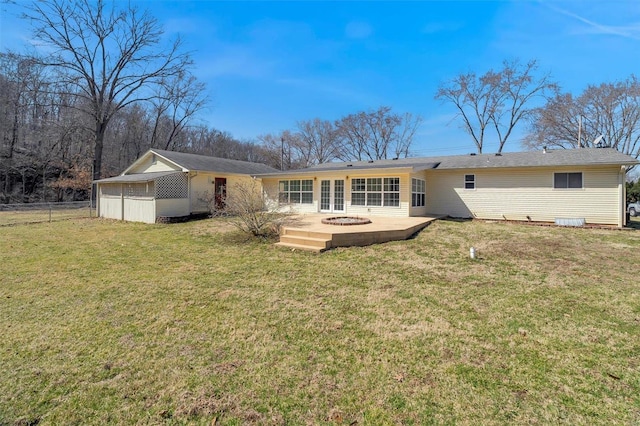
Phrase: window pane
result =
(294, 185)
(417, 200)
(307, 185)
(284, 197)
(392, 184)
(358, 185)
(575, 180)
(307, 198)
(294, 197)
(559, 180)
(357, 199)
(374, 199)
(392, 199)
(469, 185)
(325, 195)
(469, 178)
(374, 184)
(284, 186)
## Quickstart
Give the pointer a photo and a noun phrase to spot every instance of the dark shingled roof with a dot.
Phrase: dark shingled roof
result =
(137, 177)
(194, 162)
(550, 158)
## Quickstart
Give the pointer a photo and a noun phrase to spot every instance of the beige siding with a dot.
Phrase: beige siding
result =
(202, 184)
(271, 189)
(270, 186)
(148, 166)
(526, 194)
(172, 207)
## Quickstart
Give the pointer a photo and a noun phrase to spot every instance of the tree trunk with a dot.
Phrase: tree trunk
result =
(97, 157)
(97, 150)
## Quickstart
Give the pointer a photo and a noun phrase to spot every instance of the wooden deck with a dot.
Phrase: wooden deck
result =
(309, 233)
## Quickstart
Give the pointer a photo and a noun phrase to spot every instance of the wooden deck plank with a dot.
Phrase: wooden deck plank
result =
(380, 230)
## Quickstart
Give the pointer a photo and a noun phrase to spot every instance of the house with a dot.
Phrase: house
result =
(563, 186)
(170, 184)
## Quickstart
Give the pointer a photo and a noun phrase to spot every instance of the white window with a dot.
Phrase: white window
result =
(567, 180)
(469, 181)
(375, 192)
(358, 192)
(296, 191)
(418, 191)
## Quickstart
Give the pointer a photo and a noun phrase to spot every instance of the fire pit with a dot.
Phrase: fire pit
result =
(346, 220)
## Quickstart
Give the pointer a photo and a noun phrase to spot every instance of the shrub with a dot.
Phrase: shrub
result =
(249, 209)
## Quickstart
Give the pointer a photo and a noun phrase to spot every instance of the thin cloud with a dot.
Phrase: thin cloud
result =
(331, 89)
(234, 61)
(186, 26)
(627, 31)
(358, 30)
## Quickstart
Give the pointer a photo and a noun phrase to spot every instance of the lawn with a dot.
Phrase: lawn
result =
(110, 322)
(25, 214)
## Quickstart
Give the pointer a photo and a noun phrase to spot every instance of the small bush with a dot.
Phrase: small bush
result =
(249, 210)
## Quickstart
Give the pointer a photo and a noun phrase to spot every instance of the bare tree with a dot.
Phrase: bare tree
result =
(318, 141)
(113, 57)
(250, 209)
(178, 99)
(282, 150)
(611, 110)
(376, 135)
(496, 100)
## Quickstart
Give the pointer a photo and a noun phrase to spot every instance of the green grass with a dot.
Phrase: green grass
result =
(109, 322)
(29, 216)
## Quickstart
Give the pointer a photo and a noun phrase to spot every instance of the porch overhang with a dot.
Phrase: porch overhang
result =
(137, 177)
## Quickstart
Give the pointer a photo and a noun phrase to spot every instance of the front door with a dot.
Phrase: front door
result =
(220, 188)
(332, 195)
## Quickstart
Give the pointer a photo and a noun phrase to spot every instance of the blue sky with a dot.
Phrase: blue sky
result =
(270, 64)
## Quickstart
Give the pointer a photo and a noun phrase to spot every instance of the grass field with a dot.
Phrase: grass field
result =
(29, 215)
(121, 323)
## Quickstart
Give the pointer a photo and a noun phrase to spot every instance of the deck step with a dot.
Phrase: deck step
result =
(300, 247)
(322, 243)
(305, 233)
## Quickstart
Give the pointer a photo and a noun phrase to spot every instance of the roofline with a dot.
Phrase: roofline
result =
(329, 171)
(617, 163)
(148, 177)
(387, 169)
(152, 150)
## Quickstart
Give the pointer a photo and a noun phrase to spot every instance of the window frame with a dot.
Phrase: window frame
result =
(470, 181)
(376, 192)
(418, 192)
(302, 194)
(567, 181)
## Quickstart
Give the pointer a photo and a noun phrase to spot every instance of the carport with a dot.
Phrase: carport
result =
(142, 197)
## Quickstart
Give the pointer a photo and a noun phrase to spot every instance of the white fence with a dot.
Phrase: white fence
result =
(14, 214)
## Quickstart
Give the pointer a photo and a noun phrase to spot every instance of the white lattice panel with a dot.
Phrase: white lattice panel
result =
(172, 186)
